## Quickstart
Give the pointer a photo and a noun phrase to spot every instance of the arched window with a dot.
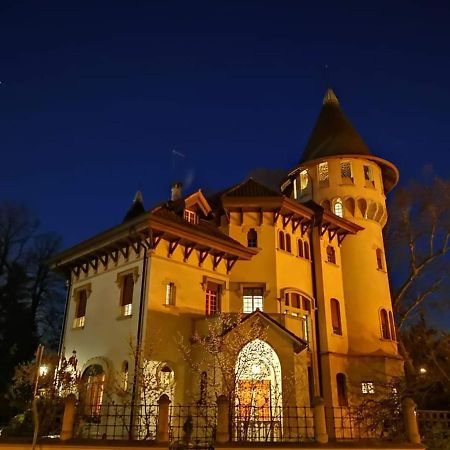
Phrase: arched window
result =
(385, 334)
(392, 325)
(338, 208)
(252, 238)
(341, 384)
(94, 382)
(288, 243)
(300, 248)
(379, 253)
(306, 246)
(281, 243)
(336, 317)
(125, 375)
(331, 254)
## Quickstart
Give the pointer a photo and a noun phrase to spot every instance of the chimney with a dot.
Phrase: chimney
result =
(177, 189)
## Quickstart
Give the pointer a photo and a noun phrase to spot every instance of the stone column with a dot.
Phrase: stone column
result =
(162, 432)
(320, 426)
(223, 430)
(68, 418)
(410, 418)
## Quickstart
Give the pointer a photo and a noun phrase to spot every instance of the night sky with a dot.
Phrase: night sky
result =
(95, 96)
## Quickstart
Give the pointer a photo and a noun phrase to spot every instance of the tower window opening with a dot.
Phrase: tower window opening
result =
(367, 387)
(306, 250)
(170, 294)
(331, 254)
(304, 182)
(341, 384)
(385, 332)
(252, 238)
(338, 208)
(379, 254)
(368, 176)
(252, 299)
(323, 174)
(346, 170)
(336, 317)
(300, 248)
(281, 241)
(288, 243)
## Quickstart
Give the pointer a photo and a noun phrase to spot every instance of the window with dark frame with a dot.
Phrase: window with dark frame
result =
(253, 299)
(306, 252)
(126, 301)
(336, 317)
(379, 254)
(341, 384)
(80, 312)
(281, 241)
(331, 254)
(385, 333)
(212, 299)
(252, 238)
(288, 243)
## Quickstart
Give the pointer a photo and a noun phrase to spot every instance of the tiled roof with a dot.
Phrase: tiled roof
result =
(250, 188)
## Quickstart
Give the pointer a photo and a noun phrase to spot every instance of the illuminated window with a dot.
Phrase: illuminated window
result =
(126, 300)
(300, 248)
(304, 181)
(170, 294)
(212, 299)
(252, 299)
(323, 174)
(306, 248)
(93, 379)
(252, 238)
(288, 243)
(190, 216)
(331, 254)
(367, 387)
(368, 176)
(338, 208)
(346, 170)
(385, 333)
(379, 254)
(336, 317)
(80, 312)
(281, 241)
(341, 385)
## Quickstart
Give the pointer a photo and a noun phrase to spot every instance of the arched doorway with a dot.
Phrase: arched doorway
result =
(93, 379)
(258, 392)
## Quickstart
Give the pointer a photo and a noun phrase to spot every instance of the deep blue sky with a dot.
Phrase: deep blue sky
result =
(96, 95)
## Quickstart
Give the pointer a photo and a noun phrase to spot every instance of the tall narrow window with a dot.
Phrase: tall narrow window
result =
(368, 176)
(295, 300)
(300, 248)
(385, 334)
(323, 174)
(281, 242)
(94, 379)
(379, 254)
(306, 248)
(392, 326)
(252, 299)
(286, 299)
(346, 171)
(306, 304)
(341, 385)
(338, 208)
(80, 312)
(126, 301)
(170, 294)
(288, 243)
(331, 254)
(125, 375)
(304, 182)
(212, 299)
(252, 238)
(336, 317)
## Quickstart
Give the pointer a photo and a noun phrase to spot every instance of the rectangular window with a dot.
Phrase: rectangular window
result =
(252, 299)
(190, 216)
(368, 176)
(80, 313)
(126, 301)
(212, 296)
(295, 302)
(367, 387)
(346, 170)
(323, 174)
(170, 294)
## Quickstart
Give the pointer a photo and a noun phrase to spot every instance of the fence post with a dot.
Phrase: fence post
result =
(320, 426)
(162, 430)
(68, 418)
(222, 420)
(410, 417)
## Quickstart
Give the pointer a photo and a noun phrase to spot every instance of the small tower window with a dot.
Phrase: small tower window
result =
(346, 170)
(170, 294)
(331, 254)
(336, 317)
(288, 242)
(341, 385)
(323, 174)
(80, 313)
(300, 248)
(126, 301)
(368, 176)
(385, 333)
(338, 208)
(306, 249)
(281, 241)
(252, 238)
(379, 254)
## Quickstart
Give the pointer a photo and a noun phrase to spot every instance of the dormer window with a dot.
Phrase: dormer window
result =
(190, 216)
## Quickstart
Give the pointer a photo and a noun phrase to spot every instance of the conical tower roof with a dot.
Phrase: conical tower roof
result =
(136, 209)
(333, 133)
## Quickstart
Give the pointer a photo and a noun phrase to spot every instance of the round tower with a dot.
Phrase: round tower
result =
(339, 172)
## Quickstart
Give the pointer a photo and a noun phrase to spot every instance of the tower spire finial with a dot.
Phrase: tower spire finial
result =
(330, 97)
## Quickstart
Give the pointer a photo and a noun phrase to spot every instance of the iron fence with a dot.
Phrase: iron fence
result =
(115, 421)
(434, 424)
(346, 423)
(272, 424)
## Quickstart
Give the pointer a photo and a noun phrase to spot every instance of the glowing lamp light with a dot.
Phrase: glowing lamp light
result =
(423, 370)
(256, 369)
(43, 370)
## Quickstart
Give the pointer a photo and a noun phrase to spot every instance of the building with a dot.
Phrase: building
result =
(306, 263)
